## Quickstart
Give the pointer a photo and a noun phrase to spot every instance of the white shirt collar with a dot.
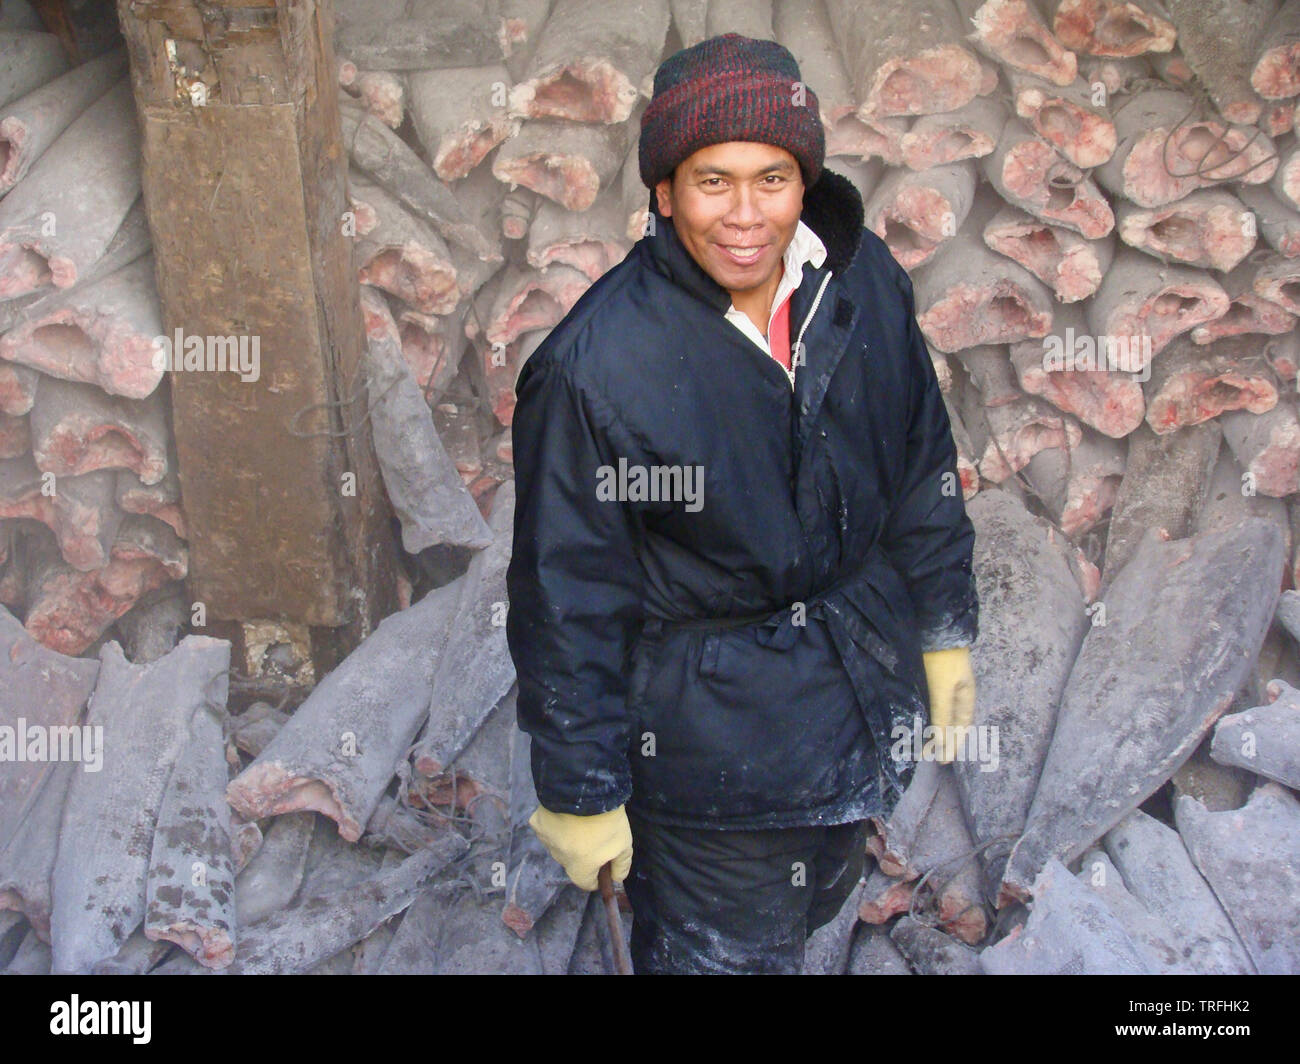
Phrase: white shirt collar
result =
(805, 246)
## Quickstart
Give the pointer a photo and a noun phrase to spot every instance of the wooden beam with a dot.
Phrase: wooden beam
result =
(244, 176)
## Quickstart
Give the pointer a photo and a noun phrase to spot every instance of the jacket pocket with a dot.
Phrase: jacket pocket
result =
(709, 650)
(644, 654)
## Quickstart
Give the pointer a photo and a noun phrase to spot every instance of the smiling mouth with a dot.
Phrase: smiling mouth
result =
(743, 254)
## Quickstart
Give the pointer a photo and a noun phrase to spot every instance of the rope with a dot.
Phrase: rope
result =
(1201, 102)
(979, 903)
(354, 393)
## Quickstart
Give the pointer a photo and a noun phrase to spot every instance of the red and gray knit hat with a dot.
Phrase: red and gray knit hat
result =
(729, 88)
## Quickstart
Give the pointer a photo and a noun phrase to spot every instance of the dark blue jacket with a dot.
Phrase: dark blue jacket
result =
(830, 539)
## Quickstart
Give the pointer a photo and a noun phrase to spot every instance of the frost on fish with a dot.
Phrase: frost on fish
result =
(1251, 857)
(191, 883)
(1070, 932)
(1265, 739)
(1184, 621)
(339, 751)
(1159, 873)
(43, 688)
(109, 816)
(320, 926)
(27, 862)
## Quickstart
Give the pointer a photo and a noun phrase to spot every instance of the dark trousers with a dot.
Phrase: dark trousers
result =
(736, 902)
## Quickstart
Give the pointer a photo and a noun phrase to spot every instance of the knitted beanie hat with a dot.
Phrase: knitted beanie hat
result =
(729, 88)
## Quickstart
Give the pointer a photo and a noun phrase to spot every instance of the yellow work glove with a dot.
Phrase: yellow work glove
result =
(583, 843)
(951, 681)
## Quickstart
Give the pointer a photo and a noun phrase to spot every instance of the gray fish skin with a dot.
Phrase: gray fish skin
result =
(557, 932)
(368, 954)
(1158, 871)
(109, 816)
(475, 671)
(1032, 623)
(136, 957)
(930, 952)
(294, 940)
(472, 940)
(1166, 481)
(900, 832)
(425, 489)
(942, 836)
(252, 730)
(1070, 932)
(192, 842)
(457, 36)
(485, 765)
(43, 687)
(334, 864)
(1154, 939)
(151, 629)
(32, 958)
(131, 240)
(1251, 857)
(387, 158)
(826, 952)
(533, 878)
(928, 832)
(27, 863)
(412, 950)
(27, 61)
(270, 880)
(1265, 739)
(19, 15)
(944, 850)
(13, 929)
(380, 695)
(486, 758)
(1184, 623)
(89, 178)
(32, 122)
(1288, 613)
(594, 953)
(873, 953)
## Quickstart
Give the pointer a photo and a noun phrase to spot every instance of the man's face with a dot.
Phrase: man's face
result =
(730, 197)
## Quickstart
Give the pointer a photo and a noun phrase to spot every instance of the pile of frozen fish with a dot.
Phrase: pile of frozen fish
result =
(1098, 203)
(1126, 801)
(92, 534)
(400, 786)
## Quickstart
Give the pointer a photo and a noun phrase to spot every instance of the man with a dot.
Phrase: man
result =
(738, 529)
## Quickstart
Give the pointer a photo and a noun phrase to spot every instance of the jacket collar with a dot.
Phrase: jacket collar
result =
(832, 208)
